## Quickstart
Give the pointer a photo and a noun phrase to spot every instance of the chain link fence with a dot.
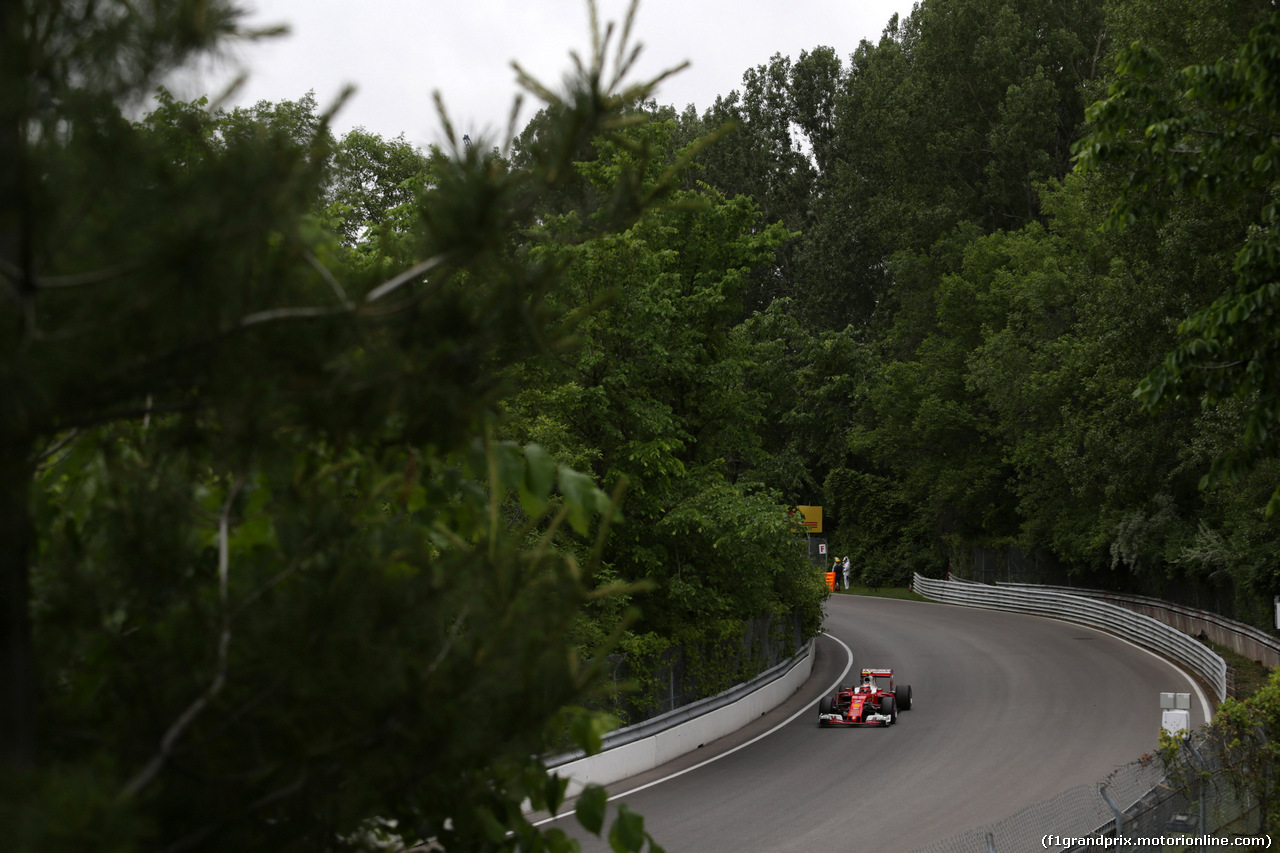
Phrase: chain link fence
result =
(1197, 797)
(682, 673)
(1139, 800)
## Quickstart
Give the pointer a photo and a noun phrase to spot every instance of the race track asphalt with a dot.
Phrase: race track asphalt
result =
(1008, 710)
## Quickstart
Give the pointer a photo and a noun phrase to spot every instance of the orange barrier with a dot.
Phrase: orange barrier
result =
(831, 581)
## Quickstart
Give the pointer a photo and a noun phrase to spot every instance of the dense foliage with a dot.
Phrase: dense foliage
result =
(1237, 754)
(1025, 326)
(314, 451)
(265, 563)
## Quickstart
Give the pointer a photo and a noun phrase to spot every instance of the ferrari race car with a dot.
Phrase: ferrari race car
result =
(875, 701)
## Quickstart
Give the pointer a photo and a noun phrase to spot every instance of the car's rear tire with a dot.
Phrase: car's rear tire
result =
(904, 698)
(887, 706)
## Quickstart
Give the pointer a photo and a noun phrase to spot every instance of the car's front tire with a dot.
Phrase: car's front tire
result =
(889, 708)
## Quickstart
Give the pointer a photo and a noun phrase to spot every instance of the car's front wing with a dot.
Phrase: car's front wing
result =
(839, 720)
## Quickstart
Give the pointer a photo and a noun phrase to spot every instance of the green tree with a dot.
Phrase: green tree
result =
(268, 657)
(1206, 131)
(656, 397)
(807, 384)
(373, 181)
(954, 116)
(762, 158)
(256, 574)
(656, 394)
(1242, 741)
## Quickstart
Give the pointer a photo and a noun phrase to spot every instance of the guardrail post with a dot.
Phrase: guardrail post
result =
(1204, 781)
(1102, 789)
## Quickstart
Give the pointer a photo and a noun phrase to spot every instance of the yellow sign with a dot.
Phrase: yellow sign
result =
(812, 518)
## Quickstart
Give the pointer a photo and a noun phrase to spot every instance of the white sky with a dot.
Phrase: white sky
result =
(397, 52)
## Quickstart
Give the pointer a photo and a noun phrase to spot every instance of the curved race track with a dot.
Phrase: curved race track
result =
(1008, 710)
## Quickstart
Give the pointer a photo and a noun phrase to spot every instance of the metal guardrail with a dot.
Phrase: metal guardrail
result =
(1253, 643)
(663, 722)
(1135, 627)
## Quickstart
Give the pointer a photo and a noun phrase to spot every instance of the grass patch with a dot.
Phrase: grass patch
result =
(1245, 677)
(901, 592)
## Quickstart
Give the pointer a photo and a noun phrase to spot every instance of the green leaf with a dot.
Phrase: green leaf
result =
(417, 499)
(554, 792)
(588, 728)
(540, 473)
(627, 833)
(509, 461)
(580, 497)
(255, 531)
(558, 842)
(590, 808)
(493, 828)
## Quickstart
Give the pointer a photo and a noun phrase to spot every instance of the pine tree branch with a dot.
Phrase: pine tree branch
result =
(59, 448)
(300, 313)
(347, 307)
(11, 272)
(145, 776)
(130, 414)
(408, 275)
(328, 277)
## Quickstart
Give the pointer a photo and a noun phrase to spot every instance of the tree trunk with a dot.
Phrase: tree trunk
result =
(17, 653)
(17, 662)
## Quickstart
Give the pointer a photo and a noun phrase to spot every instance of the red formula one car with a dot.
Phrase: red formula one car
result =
(875, 701)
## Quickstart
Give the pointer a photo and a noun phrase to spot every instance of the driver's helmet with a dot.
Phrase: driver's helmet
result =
(868, 684)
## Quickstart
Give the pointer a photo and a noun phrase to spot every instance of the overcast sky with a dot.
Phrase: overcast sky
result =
(397, 52)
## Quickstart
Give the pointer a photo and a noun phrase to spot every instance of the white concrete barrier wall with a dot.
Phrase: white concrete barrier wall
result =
(645, 754)
(1134, 627)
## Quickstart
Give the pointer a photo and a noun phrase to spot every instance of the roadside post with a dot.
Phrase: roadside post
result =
(1175, 714)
